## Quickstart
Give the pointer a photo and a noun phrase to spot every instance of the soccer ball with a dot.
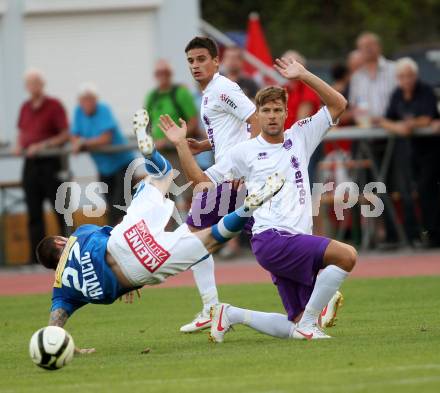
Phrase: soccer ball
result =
(51, 348)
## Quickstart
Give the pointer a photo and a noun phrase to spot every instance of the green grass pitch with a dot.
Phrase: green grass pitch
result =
(387, 340)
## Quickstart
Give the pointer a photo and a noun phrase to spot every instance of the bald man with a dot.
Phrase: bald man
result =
(372, 84)
(370, 90)
(42, 124)
(169, 98)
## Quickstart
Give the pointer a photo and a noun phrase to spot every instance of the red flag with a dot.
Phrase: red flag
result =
(256, 43)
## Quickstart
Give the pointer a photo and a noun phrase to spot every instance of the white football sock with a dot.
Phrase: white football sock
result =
(205, 280)
(273, 324)
(327, 283)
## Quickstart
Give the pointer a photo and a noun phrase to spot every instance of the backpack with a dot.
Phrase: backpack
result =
(173, 96)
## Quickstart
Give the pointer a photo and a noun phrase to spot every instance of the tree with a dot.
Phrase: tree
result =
(328, 29)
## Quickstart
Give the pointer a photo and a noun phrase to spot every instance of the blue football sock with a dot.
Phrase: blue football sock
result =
(230, 225)
(157, 165)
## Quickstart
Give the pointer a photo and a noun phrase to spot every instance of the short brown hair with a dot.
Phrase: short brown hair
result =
(270, 93)
(203, 42)
(47, 252)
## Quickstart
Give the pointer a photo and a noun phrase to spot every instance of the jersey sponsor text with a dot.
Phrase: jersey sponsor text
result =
(146, 249)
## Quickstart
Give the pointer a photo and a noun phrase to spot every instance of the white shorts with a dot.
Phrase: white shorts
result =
(146, 253)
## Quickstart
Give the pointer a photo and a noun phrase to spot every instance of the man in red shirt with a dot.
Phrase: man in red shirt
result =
(42, 124)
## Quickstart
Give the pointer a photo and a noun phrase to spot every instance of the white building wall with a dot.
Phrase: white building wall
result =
(111, 42)
(112, 49)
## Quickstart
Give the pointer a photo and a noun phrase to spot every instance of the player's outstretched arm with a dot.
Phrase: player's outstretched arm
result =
(177, 136)
(291, 69)
(59, 318)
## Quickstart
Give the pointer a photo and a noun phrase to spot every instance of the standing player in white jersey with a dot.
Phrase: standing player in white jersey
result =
(282, 238)
(229, 118)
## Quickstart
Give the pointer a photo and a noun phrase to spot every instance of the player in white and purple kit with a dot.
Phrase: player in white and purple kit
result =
(99, 264)
(229, 118)
(282, 234)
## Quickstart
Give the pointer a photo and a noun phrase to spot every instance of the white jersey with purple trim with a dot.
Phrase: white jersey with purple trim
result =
(145, 252)
(224, 111)
(254, 160)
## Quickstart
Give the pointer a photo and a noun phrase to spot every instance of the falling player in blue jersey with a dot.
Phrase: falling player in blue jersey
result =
(100, 264)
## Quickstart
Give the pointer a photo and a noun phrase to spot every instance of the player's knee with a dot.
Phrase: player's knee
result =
(349, 258)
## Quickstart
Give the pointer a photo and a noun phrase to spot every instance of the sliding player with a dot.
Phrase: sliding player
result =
(99, 264)
(282, 234)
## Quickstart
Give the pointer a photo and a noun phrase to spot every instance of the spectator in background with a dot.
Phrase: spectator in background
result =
(232, 67)
(94, 126)
(172, 99)
(355, 60)
(413, 105)
(371, 85)
(42, 124)
(370, 91)
(341, 75)
(341, 78)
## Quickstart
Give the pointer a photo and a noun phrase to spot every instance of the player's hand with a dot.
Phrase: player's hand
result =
(129, 297)
(237, 184)
(289, 68)
(172, 131)
(84, 351)
(195, 146)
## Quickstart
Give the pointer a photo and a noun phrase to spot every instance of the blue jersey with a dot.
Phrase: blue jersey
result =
(82, 275)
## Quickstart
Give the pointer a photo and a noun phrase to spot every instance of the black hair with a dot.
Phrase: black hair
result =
(339, 71)
(48, 253)
(203, 42)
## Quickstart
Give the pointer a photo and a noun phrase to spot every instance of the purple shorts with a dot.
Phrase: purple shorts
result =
(207, 208)
(294, 261)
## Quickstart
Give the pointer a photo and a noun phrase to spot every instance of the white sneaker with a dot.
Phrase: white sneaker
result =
(200, 322)
(271, 187)
(328, 315)
(219, 323)
(142, 130)
(312, 332)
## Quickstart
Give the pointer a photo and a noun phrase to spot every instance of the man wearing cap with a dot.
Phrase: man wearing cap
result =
(95, 126)
(42, 124)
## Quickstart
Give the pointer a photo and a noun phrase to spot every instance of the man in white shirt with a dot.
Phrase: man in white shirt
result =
(229, 118)
(282, 234)
(370, 92)
(372, 84)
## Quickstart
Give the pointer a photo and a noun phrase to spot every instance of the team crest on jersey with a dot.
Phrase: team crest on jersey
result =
(225, 98)
(288, 144)
(146, 249)
(304, 121)
(262, 156)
